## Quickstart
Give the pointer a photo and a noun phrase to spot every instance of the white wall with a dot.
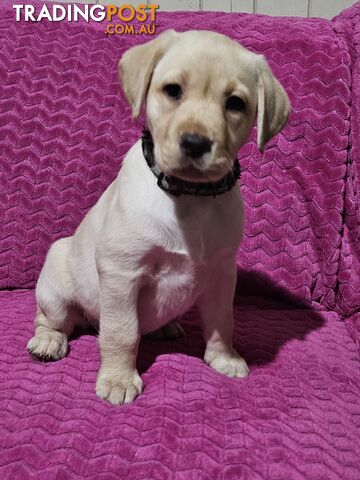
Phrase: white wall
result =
(304, 8)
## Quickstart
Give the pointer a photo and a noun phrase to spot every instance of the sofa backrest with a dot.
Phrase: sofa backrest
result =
(347, 25)
(65, 127)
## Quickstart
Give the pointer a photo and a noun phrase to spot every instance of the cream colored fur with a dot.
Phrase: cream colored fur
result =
(141, 257)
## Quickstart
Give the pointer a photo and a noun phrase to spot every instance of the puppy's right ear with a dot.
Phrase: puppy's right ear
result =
(137, 65)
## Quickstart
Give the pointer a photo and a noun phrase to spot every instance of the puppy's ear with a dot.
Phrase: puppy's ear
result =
(137, 65)
(273, 104)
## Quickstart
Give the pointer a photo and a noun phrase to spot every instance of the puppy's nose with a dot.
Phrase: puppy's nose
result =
(194, 145)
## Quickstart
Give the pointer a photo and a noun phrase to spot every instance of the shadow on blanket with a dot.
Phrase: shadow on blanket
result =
(266, 317)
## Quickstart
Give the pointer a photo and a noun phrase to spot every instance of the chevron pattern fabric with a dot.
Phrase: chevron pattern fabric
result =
(64, 129)
(348, 23)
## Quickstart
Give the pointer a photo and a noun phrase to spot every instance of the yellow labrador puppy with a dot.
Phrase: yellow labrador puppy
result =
(165, 233)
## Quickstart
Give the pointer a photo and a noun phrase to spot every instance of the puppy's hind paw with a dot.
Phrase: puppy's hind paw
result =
(49, 345)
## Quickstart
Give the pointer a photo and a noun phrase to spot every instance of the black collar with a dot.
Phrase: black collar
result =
(176, 186)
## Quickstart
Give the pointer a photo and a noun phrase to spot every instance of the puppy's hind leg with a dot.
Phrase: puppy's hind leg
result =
(53, 321)
(47, 343)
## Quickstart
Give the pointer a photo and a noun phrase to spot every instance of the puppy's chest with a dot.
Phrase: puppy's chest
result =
(184, 252)
(170, 286)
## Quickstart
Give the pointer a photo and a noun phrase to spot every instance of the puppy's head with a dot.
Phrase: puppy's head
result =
(202, 92)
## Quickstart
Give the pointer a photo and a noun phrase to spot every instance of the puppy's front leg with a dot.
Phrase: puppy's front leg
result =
(216, 309)
(118, 380)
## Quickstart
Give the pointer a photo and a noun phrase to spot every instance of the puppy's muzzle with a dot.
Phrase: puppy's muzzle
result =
(194, 145)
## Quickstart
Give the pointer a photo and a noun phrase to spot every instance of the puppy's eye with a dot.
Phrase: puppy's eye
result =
(235, 104)
(173, 90)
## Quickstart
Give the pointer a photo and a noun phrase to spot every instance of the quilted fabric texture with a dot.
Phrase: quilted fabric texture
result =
(348, 23)
(65, 127)
(296, 416)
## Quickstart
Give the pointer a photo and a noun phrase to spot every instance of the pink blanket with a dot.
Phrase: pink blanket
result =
(64, 128)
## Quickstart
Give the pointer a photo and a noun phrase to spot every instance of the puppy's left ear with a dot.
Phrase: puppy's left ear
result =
(137, 65)
(273, 104)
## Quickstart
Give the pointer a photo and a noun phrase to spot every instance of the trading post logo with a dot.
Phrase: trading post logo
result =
(125, 19)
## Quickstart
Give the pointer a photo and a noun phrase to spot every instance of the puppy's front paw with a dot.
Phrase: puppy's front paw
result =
(229, 364)
(118, 388)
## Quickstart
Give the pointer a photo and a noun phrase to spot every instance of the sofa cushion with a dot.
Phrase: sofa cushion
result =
(66, 128)
(297, 416)
(348, 24)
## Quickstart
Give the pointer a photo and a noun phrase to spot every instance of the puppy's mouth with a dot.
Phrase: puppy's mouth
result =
(193, 173)
(203, 169)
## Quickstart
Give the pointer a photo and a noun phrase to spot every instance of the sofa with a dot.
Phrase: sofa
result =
(64, 129)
